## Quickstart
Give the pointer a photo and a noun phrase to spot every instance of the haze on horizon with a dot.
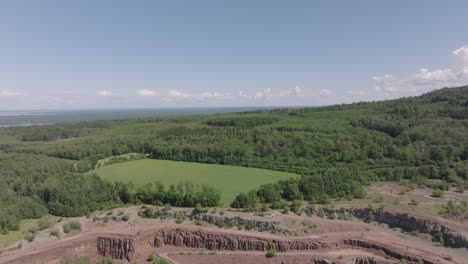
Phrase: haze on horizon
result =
(158, 54)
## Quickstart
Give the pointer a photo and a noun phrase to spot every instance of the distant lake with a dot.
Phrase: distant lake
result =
(34, 118)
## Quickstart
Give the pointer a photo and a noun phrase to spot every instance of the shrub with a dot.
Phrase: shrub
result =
(199, 209)
(55, 232)
(82, 260)
(379, 198)
(271, 253)
(125, 217)
(295, 206)
(30, 236)
(105, 261)
(75, 225)
(151, 257)
(44, 223)
(33, 230)
(310, 210)
(71, 226)
(161, 261)
(437, 193)
(167, 207)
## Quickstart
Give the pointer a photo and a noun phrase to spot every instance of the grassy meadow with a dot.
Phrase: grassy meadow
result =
(230, 180)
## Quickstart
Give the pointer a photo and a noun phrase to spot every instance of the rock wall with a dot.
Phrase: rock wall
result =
(410, 223)
(116, 247)
(357, 260)
(232, 242)
(368, 260)
(237, 220)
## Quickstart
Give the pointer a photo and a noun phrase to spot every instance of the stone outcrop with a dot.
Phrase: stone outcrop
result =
(116, 247)
(222, 241)
(411, 223)
(237, 220)
(368, 260)
(357, 260)
(231, 242)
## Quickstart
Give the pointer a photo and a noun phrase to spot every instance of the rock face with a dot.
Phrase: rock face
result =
(367, 260)
(116, 247)
(237, 220)
(232, 242)
(355, 243)
(410, 223)
(358, 260)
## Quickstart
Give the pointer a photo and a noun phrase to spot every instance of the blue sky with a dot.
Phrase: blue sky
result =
(102, 54)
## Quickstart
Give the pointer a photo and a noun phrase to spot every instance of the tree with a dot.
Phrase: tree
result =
(269, 193)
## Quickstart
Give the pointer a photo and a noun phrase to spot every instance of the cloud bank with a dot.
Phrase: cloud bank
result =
(425, 79)
(146, 93)
(104, 93)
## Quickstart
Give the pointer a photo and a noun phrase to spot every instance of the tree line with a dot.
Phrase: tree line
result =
(337, 149)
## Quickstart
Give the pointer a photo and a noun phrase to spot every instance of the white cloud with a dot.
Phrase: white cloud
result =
(207, 95)
(296, 91)
(325, 92)
(264, 94)
(425, 79)
(104, 93)
(8, 93)
(146, 92)
(242, 94)
(386, 83)
(178, 94)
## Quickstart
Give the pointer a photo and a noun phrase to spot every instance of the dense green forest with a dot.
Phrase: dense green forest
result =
(337, 149)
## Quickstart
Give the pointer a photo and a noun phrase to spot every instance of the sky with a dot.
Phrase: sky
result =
(79, 54)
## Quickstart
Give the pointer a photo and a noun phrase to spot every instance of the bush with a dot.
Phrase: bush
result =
(295, 206)
(33, 230)
(55, 232)
(71, 226)
(82, 260)
(199, 209)
(161, 261)
(75, 225)
(437, 193)
(30, 236)
(379, 198)
(125, 217)
(44, 223)
(151, 257)
(105, 261)
(271, 253)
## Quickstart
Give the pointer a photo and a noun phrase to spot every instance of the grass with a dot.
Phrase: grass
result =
(13, 236)
(230, 180)
(25, 225)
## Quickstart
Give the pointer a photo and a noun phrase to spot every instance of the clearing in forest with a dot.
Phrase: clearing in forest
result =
(230, 180)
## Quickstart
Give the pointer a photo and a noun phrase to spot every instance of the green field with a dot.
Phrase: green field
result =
(230, 180)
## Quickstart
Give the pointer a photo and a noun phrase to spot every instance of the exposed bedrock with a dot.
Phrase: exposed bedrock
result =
(357, 260)
(410, 223)
(232, 242)
(237, 220)
(116, 247)
(223, 241)
(368, 260)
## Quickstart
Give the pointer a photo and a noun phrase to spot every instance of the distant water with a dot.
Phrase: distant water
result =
(34, 118)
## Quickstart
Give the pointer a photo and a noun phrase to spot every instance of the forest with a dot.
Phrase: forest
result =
(336, 149)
